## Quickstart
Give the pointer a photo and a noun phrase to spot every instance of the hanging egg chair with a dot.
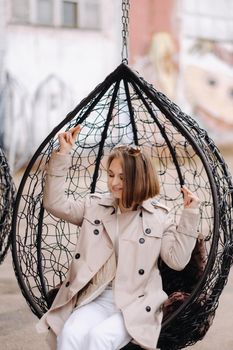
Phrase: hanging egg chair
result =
(124, 108)
(7, 192)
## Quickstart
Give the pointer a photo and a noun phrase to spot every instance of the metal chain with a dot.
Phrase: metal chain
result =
(125, 30)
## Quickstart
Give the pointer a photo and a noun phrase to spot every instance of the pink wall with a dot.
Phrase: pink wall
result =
(146, 18)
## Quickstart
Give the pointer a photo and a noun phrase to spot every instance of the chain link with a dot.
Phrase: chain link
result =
(125, 30)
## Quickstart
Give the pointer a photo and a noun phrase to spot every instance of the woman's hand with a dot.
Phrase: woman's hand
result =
(67, 139)
(190, 199)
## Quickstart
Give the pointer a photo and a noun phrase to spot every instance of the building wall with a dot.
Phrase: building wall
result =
(48, 71)
(146, 18)
(2, 38)
(184, 48)
(2, 56)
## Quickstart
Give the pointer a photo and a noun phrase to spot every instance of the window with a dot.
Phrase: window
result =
(90, 14)
(83, 14)
(45, 12)
(70, 10)
(211, 20)
(20, 11)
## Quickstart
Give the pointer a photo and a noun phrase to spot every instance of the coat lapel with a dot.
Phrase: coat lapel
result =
(109, 219)
(110, 225)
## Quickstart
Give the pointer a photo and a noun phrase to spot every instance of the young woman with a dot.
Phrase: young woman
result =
(113, 290)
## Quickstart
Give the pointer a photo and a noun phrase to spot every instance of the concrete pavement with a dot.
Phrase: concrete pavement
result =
(17, 323)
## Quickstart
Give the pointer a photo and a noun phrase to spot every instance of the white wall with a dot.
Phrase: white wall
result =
(79, 59)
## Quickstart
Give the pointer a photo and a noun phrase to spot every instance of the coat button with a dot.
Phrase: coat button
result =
(77, 256)
(148, 231)
(148, 308)
(141, 240)
(97, 222)
(96, 232)
(141, 272)
(67, 284)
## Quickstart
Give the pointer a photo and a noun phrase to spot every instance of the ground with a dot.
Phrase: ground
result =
(17, 322)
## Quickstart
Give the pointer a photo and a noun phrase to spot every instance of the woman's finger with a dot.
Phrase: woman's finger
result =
(190, 199)
(67, 139)
(62, 137)
(74, 131)
(185, 193)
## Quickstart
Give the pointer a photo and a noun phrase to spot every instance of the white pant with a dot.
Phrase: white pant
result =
(98, 325)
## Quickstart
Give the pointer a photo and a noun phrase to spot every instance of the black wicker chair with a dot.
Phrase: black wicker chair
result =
(7, 193)
(126, 109)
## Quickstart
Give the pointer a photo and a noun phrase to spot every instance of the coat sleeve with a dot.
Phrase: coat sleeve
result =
(179, 242)
(55, 200)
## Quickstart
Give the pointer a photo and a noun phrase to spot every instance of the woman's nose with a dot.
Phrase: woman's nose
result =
(115, 181)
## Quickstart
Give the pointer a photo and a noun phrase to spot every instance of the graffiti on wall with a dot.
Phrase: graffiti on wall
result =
(27, 118)
(208, 87)
(199, 79)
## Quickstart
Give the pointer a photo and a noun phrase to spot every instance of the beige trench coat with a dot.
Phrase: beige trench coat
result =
(138, 287)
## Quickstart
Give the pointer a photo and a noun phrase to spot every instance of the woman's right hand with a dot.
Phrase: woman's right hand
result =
(190, 199)
(67, 139)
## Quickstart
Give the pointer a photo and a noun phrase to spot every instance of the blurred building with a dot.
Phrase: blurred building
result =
(55, 52)
(154, 41)
(206, 65)
(184, 48)
(2, 53)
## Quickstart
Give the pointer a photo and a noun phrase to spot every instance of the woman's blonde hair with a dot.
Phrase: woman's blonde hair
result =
(139, 176)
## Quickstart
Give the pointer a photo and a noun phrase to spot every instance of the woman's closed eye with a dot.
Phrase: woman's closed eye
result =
(121, 177)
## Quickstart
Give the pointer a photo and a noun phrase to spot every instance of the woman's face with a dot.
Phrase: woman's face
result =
(115, 178)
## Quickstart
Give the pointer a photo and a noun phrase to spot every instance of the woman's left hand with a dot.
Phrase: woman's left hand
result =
(190, 199)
